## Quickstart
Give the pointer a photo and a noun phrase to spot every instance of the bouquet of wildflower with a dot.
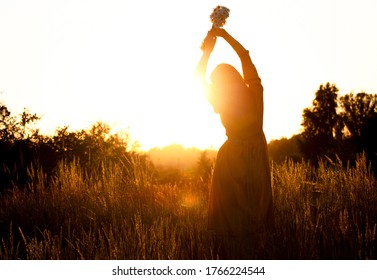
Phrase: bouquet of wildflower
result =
(218, 19)
(219, 16)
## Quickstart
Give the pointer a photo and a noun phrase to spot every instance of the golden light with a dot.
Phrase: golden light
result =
(189, 200)
(130, 63)
(172, 107)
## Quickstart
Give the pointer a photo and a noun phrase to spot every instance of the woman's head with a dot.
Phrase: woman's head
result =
(226, 80)
(227, 87)
(226, 77)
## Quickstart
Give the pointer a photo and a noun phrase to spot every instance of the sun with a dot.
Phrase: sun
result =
(173, 108)
(181, 115)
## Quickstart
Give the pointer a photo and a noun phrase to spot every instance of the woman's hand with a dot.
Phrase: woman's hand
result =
(207, 48)
(209, 41)
(219, 32)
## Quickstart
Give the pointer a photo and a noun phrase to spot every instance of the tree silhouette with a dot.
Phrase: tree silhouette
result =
(22, 147)
(321, 124)
(344, 127)
(357, 111)
(91, 148)
(283, 149)
(359, 117)
(18, 141)
(14, 128)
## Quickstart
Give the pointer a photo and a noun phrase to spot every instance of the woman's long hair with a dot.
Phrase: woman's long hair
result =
(227, 87)
(225, 74)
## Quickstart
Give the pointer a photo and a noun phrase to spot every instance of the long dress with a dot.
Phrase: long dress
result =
(240, 204)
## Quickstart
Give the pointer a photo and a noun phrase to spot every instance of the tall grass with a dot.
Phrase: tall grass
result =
(110, 217)
(324, 213)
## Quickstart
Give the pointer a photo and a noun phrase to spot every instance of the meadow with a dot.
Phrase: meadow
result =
(324, 212)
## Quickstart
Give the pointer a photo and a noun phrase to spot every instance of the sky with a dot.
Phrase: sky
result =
(131, 63)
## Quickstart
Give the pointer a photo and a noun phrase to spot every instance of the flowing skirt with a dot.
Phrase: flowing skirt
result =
(240, 205)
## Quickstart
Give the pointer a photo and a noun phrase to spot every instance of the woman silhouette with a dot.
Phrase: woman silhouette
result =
(240, 204)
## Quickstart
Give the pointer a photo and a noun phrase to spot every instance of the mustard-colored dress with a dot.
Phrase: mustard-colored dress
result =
(240, 203)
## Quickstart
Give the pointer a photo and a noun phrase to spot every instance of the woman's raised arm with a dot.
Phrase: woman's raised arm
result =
(250, 73)
(207, 48)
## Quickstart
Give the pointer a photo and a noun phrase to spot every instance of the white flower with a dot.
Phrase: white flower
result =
(219, 16)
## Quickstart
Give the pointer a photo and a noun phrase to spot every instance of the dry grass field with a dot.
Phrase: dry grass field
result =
(329, 212)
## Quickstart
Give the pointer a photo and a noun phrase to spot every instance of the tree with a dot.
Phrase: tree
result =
(13, 128)
(91, 148)
(359, 117)
(357, 111)
(18, 141)
(321, 124)
(21, 147)
(283, 149)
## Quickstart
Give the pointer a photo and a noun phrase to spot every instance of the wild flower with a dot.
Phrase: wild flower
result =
(219, 16)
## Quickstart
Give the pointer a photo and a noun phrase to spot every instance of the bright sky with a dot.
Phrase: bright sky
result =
(131, 63)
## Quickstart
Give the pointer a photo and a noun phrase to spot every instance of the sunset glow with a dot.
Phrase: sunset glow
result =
(131, 63)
